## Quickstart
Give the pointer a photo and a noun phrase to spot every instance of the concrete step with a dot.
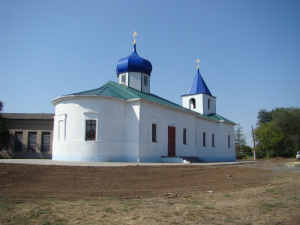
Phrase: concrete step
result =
(189, 159)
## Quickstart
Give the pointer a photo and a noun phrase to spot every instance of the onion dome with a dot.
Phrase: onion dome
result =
(134, 63)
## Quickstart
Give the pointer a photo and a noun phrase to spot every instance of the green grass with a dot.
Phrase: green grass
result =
(228, 195)
(195, 202)
(229, 220)
(170, 203)
(272, 191)
(109, 210)
(272, 206)
(35, 213)
(208, 207)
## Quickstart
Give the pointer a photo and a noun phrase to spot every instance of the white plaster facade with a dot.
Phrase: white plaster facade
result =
(202, 103)
(136, 80)
(123, 131)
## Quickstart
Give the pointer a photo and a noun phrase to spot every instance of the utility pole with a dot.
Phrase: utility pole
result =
(254, 152)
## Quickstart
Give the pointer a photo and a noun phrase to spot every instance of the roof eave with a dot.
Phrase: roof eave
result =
(66, 97)
(224, 121)
(198, 94)
(184, 110)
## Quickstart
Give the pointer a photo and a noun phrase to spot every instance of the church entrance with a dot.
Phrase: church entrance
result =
(171, 141)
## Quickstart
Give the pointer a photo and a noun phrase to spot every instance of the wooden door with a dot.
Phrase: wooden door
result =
(171, 141)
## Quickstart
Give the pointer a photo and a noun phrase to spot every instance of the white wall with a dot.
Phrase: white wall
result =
(110, 133)
(212, 108)
(221, 131)
(195, 126)
(201, 101)
(120, 78)
(145, 89)
(132, 135)
(124, 132)
(164, 117)
(135, 80)
(198, 100)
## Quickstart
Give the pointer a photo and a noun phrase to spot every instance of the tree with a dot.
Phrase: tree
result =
(269, 137)
(240, 139)
(278, 132)
(2, 127)
(3, 131)
(263, 117)
(242, 150)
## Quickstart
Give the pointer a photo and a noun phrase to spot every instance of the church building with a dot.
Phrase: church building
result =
(124, 122)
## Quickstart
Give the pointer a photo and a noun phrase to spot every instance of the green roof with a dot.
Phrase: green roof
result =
(112, 89)
(219, 118)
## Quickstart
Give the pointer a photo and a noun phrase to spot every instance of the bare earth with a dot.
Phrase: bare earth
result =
(264, 192)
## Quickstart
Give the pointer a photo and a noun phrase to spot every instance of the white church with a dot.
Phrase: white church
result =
(124, 122)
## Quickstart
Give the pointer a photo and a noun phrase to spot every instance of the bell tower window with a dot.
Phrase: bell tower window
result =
(192, 103)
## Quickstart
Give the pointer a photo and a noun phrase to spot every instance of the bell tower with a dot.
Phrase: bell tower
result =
(199, 97)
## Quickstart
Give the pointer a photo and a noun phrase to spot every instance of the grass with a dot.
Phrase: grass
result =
(208, 207)
(109, 210)
(273, 206)
(261, 204)
(195, 202)
(35, 213)
(228, 195)
(200, 209)
(272, 191)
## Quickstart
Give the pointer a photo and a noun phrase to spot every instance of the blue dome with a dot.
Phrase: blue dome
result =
(134, 63)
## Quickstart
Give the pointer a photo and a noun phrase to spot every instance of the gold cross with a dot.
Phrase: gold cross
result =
(134, 34)
(198, 62)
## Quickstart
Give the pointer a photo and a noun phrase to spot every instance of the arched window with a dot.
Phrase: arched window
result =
(192, 103)
(208, 103)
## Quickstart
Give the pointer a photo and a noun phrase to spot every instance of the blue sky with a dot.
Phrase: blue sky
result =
(249, 50)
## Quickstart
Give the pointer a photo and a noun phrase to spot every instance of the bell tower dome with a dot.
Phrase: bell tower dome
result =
(199, 97)
(134, 71)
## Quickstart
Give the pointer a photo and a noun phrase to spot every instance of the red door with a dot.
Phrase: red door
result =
(171, 141)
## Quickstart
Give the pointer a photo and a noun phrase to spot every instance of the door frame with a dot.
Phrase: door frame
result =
(171, 141)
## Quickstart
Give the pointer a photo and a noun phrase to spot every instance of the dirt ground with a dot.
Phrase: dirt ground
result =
(264, 192)
(69, 182)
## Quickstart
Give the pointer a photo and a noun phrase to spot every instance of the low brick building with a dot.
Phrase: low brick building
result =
(30, 135)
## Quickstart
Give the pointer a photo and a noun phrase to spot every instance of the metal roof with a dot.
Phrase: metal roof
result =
(28, 116)
(134, 63)
(112, 89)
(220, 118)
(198, 85)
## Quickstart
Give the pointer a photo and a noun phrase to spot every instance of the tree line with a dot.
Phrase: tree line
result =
(277, 134)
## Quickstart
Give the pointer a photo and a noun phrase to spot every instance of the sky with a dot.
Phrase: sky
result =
(249, 51)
